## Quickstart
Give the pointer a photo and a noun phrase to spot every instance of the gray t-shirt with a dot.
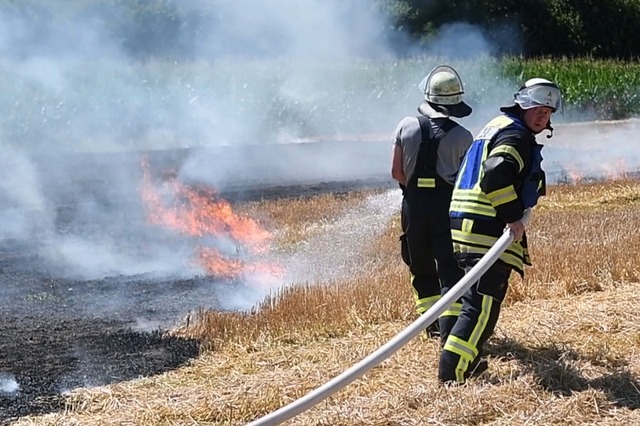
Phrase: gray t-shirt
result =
(453, 146)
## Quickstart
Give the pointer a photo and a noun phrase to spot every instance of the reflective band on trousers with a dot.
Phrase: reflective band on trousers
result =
(468, 350)
(423, 305)
(426, 183)
(471, 243)
(463, 349)
(453, 311)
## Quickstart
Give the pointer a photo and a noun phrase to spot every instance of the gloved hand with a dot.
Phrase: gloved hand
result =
(517, 229)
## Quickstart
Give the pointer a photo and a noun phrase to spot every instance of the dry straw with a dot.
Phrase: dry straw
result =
(565, 351)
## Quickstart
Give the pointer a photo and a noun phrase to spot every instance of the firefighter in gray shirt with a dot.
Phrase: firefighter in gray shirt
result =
(427, 153)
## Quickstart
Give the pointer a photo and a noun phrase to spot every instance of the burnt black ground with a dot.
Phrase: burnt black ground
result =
(58, 333)
(50, 342)
(48, 355)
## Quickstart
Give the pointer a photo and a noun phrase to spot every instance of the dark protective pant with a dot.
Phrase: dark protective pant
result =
(464, 337)
(426, 246)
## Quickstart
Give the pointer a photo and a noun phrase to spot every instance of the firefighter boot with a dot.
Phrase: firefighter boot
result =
(477, 367)
(447, 371)
(433, 331)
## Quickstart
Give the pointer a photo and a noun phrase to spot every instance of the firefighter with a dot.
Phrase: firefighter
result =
(427, 153)
(500, 178)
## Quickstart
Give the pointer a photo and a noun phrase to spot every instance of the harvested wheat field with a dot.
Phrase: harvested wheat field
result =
(566, 349)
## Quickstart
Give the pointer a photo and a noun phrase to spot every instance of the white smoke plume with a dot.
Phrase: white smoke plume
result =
(80, 109)
(8, 384)
(79, 102)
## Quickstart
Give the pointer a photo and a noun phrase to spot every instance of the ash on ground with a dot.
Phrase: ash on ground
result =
(63, 331)
(57, 335)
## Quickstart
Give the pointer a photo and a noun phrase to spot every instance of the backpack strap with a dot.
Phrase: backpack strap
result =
(428, 154)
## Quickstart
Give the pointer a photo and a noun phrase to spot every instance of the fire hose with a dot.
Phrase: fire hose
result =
(401, 339)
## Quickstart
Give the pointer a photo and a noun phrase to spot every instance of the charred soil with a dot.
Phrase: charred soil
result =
(58, 333)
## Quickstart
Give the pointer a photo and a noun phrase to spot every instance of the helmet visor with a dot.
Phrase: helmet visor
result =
(539, 95)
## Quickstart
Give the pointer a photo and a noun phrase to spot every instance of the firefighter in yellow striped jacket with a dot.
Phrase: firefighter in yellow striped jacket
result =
(501, 177)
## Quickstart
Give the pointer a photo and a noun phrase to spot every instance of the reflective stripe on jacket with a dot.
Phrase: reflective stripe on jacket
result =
(475, 222)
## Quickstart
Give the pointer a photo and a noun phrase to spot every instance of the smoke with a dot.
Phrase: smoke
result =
(459, 40)
(234, 72)
(25, 210)
(215, 90)
(8, 384)
(335, 252)
(339, 248)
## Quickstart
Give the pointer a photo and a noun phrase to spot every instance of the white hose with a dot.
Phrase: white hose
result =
(401, 339)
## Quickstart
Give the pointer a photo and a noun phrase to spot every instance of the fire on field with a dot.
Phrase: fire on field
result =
(565, 351)
(227, 238)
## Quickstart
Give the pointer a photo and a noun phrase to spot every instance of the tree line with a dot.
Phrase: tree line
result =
(528, 28)
(571, 28)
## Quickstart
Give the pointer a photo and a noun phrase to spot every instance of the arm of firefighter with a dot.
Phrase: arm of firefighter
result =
(397, 168)
(502, 169)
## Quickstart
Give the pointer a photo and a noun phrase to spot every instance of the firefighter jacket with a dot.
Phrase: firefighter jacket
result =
(500, 177)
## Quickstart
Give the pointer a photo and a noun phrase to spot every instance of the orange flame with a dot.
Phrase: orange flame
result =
(613, 169)
(200, 213)
(574, 174)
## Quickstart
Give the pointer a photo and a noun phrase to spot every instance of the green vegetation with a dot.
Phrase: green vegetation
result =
(609, 89)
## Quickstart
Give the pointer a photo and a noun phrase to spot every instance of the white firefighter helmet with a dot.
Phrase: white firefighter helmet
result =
(443, 90)
(539, 92)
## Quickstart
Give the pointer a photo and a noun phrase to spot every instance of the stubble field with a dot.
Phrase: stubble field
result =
(565, 351)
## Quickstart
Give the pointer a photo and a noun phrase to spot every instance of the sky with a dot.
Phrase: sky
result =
(78, 110)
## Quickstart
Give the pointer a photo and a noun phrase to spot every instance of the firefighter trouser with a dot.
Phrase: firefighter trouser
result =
(465, 335)
(427, 248)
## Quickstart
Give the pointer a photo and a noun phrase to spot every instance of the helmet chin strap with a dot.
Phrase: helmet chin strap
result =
(550, 129)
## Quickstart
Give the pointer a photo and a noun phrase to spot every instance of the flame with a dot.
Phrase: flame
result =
(574, 175)
(612, 169)
(616, 169)
(202, 214)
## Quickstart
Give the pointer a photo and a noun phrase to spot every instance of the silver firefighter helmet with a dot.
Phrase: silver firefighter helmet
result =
(539, 92)
(443, 90)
